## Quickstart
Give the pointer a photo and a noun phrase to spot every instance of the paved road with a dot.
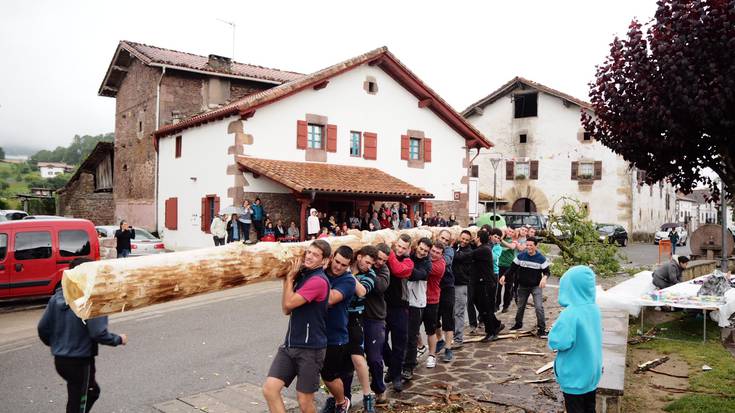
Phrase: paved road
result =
(175, 349)
(647, 254)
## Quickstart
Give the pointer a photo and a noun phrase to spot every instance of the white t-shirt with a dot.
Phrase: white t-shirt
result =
(312, 225)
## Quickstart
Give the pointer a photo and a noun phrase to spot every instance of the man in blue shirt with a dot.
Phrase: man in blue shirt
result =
(337, 361)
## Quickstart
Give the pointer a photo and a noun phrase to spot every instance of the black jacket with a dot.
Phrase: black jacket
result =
(123, 239)
(241, 231)
(482, 264)
(375, 306)
(462, 264)
(67, 335)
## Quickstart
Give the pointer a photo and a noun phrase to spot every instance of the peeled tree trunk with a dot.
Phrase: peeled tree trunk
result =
(110, 286)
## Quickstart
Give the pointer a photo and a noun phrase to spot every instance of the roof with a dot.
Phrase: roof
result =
(160, 57)
(307, 177)
(380, 57)
(701, 196)
(54, 165)
(523, 82)
(680, 196)
(89, 165)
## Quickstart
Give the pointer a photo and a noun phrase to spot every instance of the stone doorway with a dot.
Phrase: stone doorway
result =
(524, 205)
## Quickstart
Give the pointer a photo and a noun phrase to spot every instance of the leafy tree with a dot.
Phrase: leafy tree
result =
(75, 153)
(664, 98)
(2, 153)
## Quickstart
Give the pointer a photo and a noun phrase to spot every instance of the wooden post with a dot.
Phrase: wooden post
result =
(302, 215)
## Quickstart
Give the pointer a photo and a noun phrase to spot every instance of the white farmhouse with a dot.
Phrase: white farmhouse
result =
(547, 156)
(364, 130)
(52, 169)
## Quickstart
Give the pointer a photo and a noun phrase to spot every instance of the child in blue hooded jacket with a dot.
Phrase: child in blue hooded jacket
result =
(577, 336)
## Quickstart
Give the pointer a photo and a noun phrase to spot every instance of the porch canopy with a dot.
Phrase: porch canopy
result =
(310, 179)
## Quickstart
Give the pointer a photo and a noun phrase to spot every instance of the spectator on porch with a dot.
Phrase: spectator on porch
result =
(312, 224)
(395, 222)
(405, 222)
(246, 218)
(218, 229)
(280, 230)
(439, 221)
(365, 222)
(371, 226)
(258, 217)
(269, 229)
(419, 222)
(332, 225)
(355, 220)
(293, 231)
(324, 233)
(376, 223)
(452, 220)
(235, 230)
(394, 209)
(343, 230)
(426, 219)
(384, 221)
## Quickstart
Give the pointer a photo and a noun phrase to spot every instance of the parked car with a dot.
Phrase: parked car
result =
(613, 233)
(11, 215)
(144, 243)
(43, 217)
(663, 233)
(519, 219)
(33, 253)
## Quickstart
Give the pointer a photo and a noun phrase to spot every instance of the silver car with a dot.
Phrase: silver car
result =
(143, 244)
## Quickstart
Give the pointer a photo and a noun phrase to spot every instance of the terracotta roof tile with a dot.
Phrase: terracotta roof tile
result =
(305, 177)
(160, 55)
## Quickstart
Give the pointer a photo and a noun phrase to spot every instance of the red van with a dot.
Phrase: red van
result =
(32, 253)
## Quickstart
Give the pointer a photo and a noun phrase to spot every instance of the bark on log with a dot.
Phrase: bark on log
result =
(111, 286)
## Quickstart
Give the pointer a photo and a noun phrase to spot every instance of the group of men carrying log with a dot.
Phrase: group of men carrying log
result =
(358, 311)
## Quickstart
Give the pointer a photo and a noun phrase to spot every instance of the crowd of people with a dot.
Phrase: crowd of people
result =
(360, 312)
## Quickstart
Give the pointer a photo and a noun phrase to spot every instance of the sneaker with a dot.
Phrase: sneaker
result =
(473, 330)
(342, 408)
(448, 355)
(368, 403)
(421, 351)
(440, 345)
(387, 378)
(381, 399)
(542, 333)
(406, 374)
(489, 337)
(516, 327)
(458, 344)
(431, 362)
(329, 405)
(398, 384)
(501, 327)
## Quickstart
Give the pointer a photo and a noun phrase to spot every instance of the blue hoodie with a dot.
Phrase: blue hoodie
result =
(68, 335)
(577, 333)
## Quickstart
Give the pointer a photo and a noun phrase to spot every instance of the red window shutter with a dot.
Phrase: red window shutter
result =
(598, 170)
(331, 138)
(509, 166)
(204, 222)
(534, 170)
(575, 170)
(171, 212)
(301, 132)
(427, 150)
(216, 206)
(404, 147)
(371, 145)
(178, 146)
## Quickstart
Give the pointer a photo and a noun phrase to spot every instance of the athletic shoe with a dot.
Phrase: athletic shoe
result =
(381, 399)
(458, 344)
(368, 403)
(398, 384)
(329, 405)
(440, 345)
(516, 327)
(342, 408)
(542, 333)
(406, 374)
(431, 362)
(473, 330)
(387, 378)
(501, 327)
(448, 355)
(420, 351)
(489, 337)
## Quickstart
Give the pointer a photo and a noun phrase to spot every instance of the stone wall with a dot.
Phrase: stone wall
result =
(80, 201)
(458, 208)
(277, 206)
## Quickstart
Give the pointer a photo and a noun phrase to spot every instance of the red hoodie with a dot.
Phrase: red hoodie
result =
(399, 269)
(433, 290)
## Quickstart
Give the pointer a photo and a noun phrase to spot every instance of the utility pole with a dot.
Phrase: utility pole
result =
(725, 231)
(495, 161)
(231, 24)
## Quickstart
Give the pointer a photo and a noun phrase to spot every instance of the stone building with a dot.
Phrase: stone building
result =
(547, 156)
(88, 194)
(363, 130)
(153, 87)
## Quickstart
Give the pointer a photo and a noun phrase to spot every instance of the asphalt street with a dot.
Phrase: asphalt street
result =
(175, 349)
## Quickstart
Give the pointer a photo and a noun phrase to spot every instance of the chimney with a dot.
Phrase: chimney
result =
(219, 62)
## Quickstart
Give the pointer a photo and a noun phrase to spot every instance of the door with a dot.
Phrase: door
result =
(524, 205)
(33, 263)
(4, 263)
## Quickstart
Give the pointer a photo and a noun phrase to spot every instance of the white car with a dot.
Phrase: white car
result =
(11, 215)
(144, 242)
(663, 233)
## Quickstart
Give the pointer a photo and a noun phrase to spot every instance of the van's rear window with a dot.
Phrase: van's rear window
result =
(32, 245)
(74, 243)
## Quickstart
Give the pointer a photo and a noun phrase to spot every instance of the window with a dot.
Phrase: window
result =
(414, 149)
(3, 246)
(526, 105)
(178, 146)
(315, 136)
(587, 137)
(523, 138)
(475, 171)
(32, 245)
(586, 170)
(140, 126)
(522, 170)
(355, 143)
(372, 87)
(73, 243)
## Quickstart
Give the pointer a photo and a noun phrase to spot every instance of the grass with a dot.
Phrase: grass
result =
(9, 173)
(683, 337)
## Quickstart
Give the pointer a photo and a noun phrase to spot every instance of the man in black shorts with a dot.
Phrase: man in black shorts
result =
(305, 299)
(445, 325)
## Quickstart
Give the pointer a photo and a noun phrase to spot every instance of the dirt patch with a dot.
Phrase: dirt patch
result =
(642, 391)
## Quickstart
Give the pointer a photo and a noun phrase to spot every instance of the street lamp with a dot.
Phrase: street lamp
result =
(495, 161)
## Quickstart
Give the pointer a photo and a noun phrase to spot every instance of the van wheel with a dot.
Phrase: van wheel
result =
(624, 242)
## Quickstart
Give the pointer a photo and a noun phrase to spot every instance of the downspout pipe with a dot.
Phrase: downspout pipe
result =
(158, 125)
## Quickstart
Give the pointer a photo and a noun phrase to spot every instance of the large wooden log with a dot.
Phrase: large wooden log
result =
(110, 286)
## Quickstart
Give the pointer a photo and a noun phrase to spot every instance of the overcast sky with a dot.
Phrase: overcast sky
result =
(55, 53)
